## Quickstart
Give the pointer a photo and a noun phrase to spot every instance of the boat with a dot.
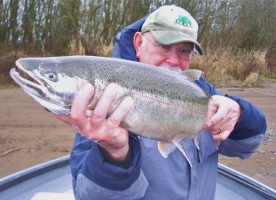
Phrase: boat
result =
(52, 180)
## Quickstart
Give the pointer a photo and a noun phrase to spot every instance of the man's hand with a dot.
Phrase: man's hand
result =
(97, 127)
(223, 114)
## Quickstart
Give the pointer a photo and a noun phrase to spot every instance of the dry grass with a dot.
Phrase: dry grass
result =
(227, 68)
(76, 48)
(84, 47)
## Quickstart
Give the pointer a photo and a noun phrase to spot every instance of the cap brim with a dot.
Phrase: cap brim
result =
(174, 37)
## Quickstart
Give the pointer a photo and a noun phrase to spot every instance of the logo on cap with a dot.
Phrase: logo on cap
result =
(184, 21)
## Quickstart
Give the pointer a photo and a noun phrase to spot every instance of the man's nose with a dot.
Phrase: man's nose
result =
(173, 59)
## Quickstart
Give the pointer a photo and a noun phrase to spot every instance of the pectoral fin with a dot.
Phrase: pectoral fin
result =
(165, 148)
(196, 141)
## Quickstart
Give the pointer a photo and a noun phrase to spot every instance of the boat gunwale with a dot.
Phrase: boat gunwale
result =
(40, 169)
(29, 173)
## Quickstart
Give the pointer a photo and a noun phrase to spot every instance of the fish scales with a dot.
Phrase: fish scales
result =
(155, 89)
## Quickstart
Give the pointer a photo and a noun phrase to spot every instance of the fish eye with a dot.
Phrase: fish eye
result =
(51, 76)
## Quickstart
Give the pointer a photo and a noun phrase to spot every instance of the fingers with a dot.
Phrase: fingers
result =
(81, 102)
(95, 125)
(119, 114)
(101, 110)
(80, 116)
(223, 135)
(217, 122)
(212, 109)
(223, 114)
(216, 112)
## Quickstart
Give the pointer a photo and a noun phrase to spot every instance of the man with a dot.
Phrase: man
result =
(114, 164)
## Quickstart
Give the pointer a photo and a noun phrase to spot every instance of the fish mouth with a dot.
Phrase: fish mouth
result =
(34, 88)
(38, 90)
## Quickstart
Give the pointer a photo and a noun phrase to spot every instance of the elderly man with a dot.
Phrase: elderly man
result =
(114, 164)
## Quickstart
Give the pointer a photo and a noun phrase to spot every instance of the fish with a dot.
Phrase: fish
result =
(168, 106)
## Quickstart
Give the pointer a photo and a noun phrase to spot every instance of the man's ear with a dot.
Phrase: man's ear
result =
(137, 41)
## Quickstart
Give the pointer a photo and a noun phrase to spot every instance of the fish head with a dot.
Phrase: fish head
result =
(51, 83)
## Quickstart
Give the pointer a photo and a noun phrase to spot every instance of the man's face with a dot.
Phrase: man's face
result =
(147, 53)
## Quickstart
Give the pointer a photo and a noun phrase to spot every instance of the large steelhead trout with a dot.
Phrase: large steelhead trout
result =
(168, 106)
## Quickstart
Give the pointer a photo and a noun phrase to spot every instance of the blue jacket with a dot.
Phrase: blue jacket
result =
(150, 176)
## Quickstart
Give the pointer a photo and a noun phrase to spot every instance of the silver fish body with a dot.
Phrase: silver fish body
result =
(168, 106)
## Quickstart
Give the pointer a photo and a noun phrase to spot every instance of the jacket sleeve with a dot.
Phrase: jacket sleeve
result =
(248, 132)
(95, 178)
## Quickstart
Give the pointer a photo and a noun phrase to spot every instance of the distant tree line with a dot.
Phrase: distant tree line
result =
(61, 27)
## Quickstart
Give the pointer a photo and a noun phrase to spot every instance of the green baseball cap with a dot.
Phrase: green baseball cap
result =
(170, 24)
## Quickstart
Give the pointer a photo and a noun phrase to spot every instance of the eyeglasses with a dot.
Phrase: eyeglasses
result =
(167, 50)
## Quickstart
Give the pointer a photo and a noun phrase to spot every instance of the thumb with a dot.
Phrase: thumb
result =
(212, 109)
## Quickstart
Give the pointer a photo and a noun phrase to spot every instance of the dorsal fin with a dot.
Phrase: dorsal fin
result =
(193, 73)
